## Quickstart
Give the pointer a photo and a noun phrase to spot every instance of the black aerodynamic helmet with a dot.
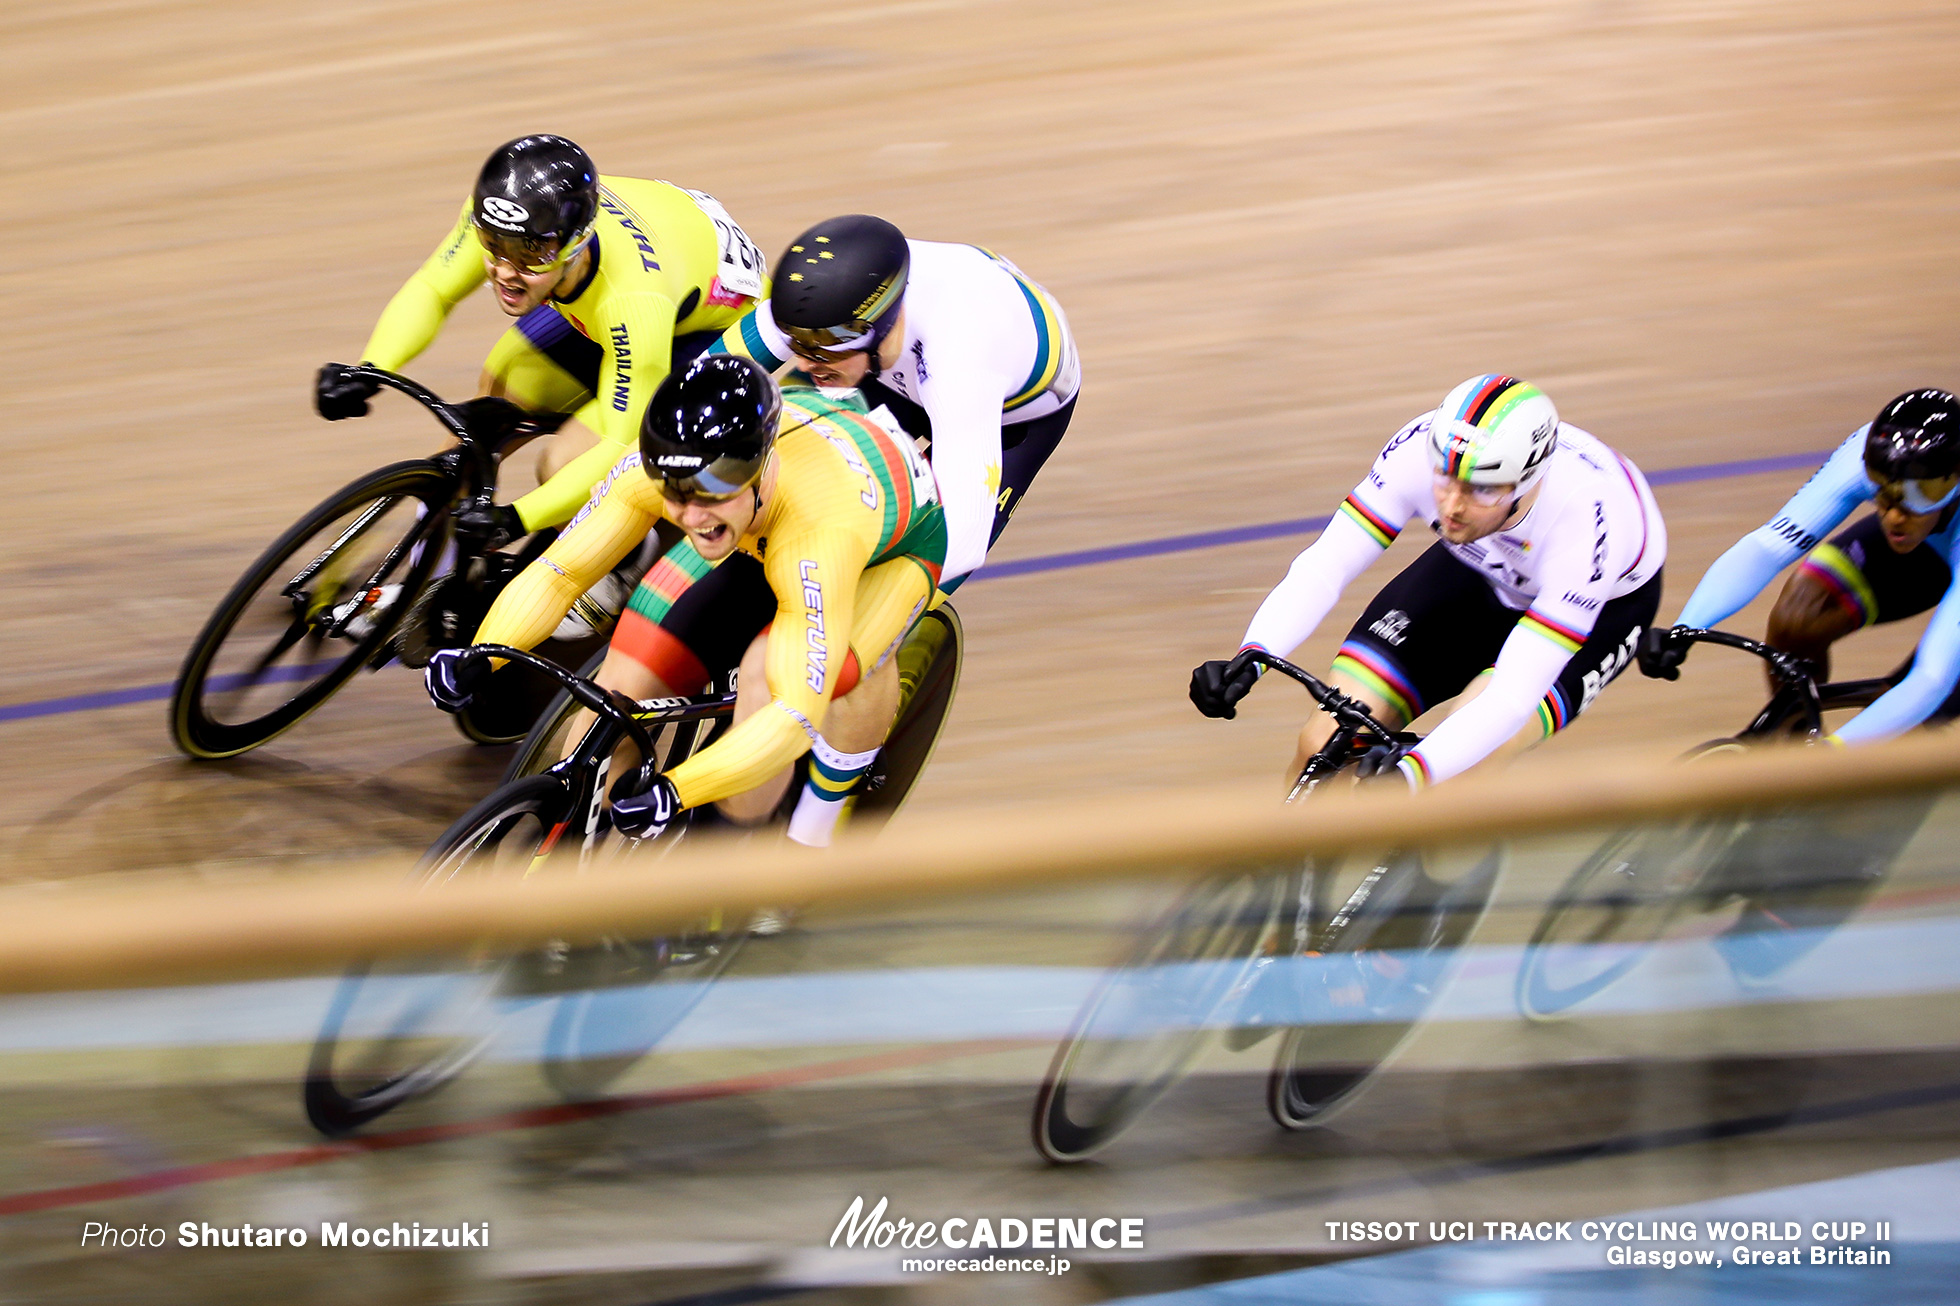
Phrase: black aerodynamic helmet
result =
(708, 429)
(535, 201)
(839, 284)
(1914, 442)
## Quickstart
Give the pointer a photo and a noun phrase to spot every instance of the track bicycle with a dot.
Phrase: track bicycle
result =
(1254, 951)
(375, 572)
(399, 1032)
(1788, 875)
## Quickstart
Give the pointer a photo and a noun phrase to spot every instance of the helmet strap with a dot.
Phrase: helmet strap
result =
(884, 327)
(874, 362)
(585, 250)
(755, 486)
(1512, 511)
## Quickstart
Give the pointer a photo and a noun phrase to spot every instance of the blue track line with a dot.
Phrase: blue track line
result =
(147, 693)
(1028, 567)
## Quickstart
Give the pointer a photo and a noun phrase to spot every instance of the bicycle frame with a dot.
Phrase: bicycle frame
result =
(1798, 695)
(586, 770)
(486, 429)
(1355, 731)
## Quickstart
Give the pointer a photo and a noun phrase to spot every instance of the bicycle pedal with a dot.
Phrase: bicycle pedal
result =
(357, 617)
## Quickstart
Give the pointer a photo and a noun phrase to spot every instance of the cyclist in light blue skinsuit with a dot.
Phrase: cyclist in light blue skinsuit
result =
(1894, 564)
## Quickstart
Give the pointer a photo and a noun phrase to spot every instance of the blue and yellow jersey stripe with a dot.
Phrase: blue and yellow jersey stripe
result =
(1048, 337)
(758, 348)
(746, 338)
(829, 780)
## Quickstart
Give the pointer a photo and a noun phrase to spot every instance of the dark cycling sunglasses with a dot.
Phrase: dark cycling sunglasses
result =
(718, 482)
(525, 253)
(1918, 497)
(829, 344)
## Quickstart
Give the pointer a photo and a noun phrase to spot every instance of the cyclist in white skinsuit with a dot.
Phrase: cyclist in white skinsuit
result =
(1547, 569)
(958, 345)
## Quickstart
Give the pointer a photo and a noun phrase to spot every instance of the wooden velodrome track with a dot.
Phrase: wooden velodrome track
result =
(1713, 230)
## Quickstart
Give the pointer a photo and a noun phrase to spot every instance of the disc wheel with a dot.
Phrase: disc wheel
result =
(1150, 1017)
(1379, 964)
(399, 1032)
(319, 603)
(929, 664)
(1611, 911)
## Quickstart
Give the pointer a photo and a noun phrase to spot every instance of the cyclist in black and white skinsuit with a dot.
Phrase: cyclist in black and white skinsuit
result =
(959, 346)
(1547, 569)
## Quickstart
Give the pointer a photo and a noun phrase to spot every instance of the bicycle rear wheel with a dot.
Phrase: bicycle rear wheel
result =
(401, 1031)
(1380, 964)
(322, 600)
(1150, 1017)
(929, 664)
(1608, 915)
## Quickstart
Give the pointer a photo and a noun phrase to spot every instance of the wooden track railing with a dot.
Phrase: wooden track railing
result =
(183, 932)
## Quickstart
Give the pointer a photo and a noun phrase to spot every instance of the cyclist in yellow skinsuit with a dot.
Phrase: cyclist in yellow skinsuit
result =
(610, 279)
(845, 522)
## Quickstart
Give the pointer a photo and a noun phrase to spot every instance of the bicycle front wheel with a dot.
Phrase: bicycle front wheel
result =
(550, 734)
(1150, 1017)
(401, 1031)
(617, 999)
(321, 601)
(630, 995)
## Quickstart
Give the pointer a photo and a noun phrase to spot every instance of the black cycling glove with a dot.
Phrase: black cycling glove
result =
(496, 524)
(1216, 687)
(339, 393)
(1660, 656)
(1381, 760)
(647, 815)
(453, 676)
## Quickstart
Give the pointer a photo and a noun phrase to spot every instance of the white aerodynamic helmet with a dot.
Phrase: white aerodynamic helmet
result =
(1494, 430)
